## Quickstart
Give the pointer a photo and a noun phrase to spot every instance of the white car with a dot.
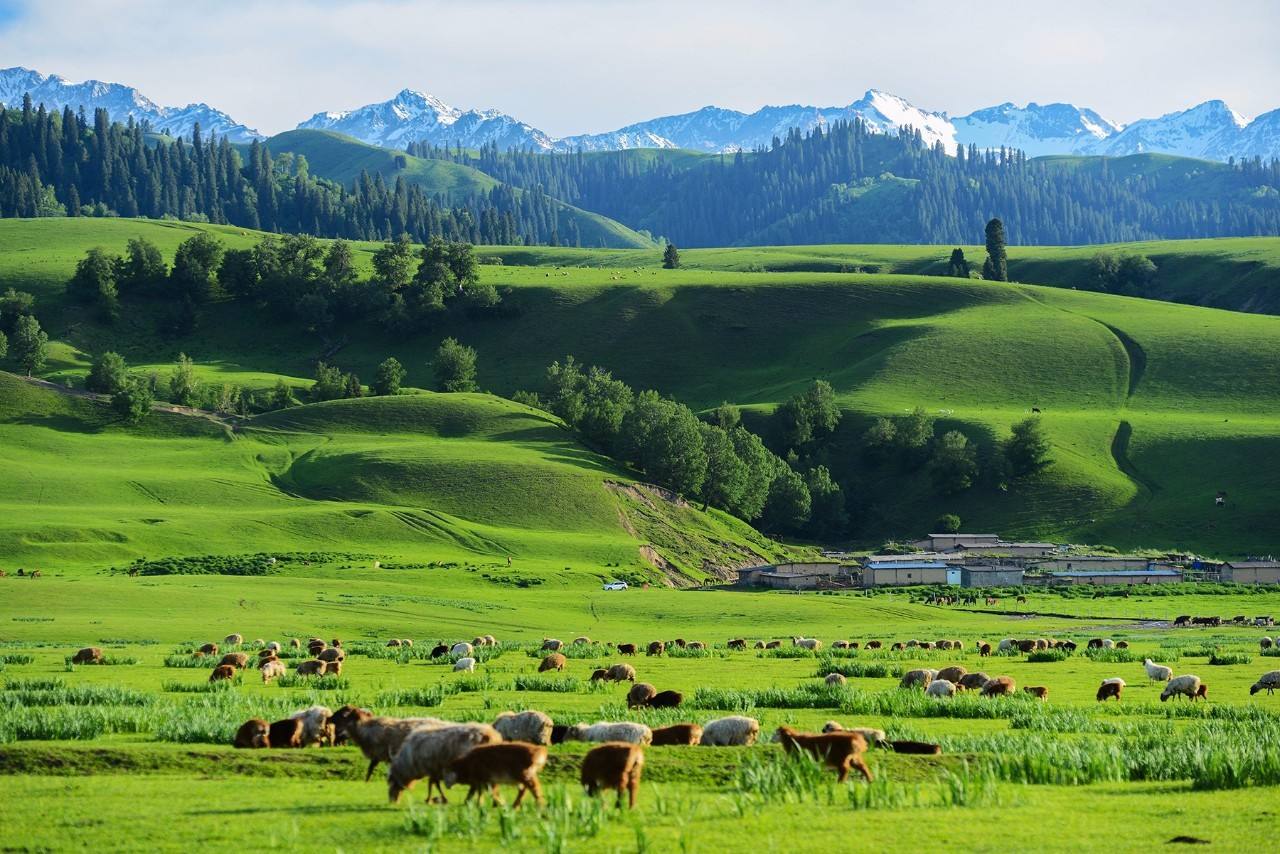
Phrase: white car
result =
(616, 585)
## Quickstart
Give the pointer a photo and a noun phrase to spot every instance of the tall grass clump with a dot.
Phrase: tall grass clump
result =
(686, 652)
(1111, 656)
(314, 683)
(73, 723)
(59, 694)
(809, 696)
(557, 684)
(16, 658)
(214, 717)
(172, 687)
(1047, 656)
(787, 652)
(1227, 658)
(859, 669)
(430, 696)
(195, 662)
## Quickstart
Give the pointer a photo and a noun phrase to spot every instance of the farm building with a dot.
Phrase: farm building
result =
(1252, 571)
(1120, 576)
(948, 542)
(795, 576)
(1095, 563)
(1023, 550)
(901, 570)
(990, 575)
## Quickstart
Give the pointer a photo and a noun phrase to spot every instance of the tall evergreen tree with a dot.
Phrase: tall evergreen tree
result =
(996, 267)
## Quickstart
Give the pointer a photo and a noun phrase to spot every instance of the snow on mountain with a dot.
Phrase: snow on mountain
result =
(1036, 129)
(1211, 130)
(416, 117)
(121, 103)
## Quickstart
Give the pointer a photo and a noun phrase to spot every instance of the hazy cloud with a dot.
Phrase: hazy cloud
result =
(573, 66)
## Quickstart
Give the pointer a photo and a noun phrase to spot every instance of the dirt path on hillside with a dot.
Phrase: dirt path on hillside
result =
(229, 422)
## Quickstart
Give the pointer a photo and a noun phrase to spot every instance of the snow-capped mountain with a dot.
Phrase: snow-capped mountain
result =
(1036, 129)
(715, 129)
(121, 103)
(415, 117)
(1210, 130)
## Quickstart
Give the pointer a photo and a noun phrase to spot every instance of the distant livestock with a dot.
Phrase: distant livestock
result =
(1109, 688)
(88, 655)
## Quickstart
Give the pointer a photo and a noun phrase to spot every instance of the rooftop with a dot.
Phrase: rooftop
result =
(1119, 572)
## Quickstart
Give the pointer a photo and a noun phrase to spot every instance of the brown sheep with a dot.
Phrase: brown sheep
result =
(773, 644)
(626, 649)
(295, 643)
(875, 644)
(677, 734)
(1122, 644)
(1026, 646)
(656, 648)
(221, 672)
(1040, 692)
(88, 655)
(238, 660)
(332, 668)
(253, 733)
(622, 673)
(984, 650)
(953, 673)
(286, 733)
(312, 667)
(209, 648)
(839, 750)
(613, 765)
(394, 642)
(264, 654)
(487, 765)
(640, 695)
(555, 661)
(1000, 686)
(666, 700)
(898, 647)
(738, 643)
(1110, 688)
(973, 681)
(332, 654)
(600, 675)
(919, 748)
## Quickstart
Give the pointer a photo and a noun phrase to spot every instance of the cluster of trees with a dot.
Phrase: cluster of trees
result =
(952, 459)
(293, 276)
(716, 461)
(1121, 273)
(66, 164)
(811, 188)
(21, 337)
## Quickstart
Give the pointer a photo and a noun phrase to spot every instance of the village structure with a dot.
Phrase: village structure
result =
(986, 560)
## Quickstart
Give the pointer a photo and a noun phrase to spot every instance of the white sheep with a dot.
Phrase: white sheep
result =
(1005, 644)
(632, 733)
(460, 650)
(940, 688)
(274, 646)
(807, 643)
(466, 664)
(271, 669)
(531, 726)
(920, 677)
(1157, 672)
(730, 731)
(836, 679)
(1186, 686)
(427, 752)
(379, 738)
(315, 724)
(581, 640)
(1268, 682)
(1108, 643)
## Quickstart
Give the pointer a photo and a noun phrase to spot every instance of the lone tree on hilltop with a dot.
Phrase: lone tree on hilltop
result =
(389, 376)
(671, 257)
(958, 266)
(455, 367)
(30, 344)
(996, 267)
(1028, 449)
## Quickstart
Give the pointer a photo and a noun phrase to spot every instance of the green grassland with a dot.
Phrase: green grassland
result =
(1152, 407)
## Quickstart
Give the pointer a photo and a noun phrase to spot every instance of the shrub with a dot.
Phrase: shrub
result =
(1226, 658)
(1047, 655)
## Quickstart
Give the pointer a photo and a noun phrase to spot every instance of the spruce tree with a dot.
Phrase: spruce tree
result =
(996, 267)
(671, 257)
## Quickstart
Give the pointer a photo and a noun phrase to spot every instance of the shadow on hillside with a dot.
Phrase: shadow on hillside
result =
(59, 422)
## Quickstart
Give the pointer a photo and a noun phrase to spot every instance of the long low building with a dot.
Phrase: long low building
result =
(796, 576)
(1251, 571)
(1119, 576)
(907, 570)
(991, 575)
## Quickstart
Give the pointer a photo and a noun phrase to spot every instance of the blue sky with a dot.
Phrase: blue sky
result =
(572, 66)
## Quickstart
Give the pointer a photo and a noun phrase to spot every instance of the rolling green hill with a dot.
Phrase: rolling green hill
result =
(1152, 408)
(342, 159)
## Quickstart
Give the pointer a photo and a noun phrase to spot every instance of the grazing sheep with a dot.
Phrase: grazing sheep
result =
(656, 648)
(555, 661)
(394, 642)
(332, 655)
(311, 667)
(919, 748)
(462, 650)
(208, 649)
(530, 726)
(984, 650)
(622, 673)
(773, 644)
(271, 669)
(666, 700)
(557, 733)
(315, 649)
(316, 728)
(626, 649)
(221, 672)
(238, 660)
(266, 655)
(466, 664)
(233, 640)
(1182, 686)
(1108, 643)
(898, 647)
(973, 681)
(677, 734)
(875, 644)
(1026, 646)
(1069, 646)
(1266, 643)
(613, 766)
(1006, 644)
(551, 644)
(581, 640)
(1001, 685)
(738, 643)
(487, 765)
(427, 752)
(1109, 688)
(1122, 644)
(1095, 643)
(333, 668)
(836, 679)
(940, 688)
(439, 650)
(839, 750)
(406, 641)
(88, 655)
(295, 643)
(479, 640)
(379, 738)
(807, 643)
(730, 731)
(274, 646)
(953, 673)
(1268, 682)
(600, 675)
(1040, 692)
(253, 733)
(872, 735)
(640, 695)
(759, 644)
(916, 678)
(1157, 672)
(285, 733)
(628, 731)
(680, 642)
